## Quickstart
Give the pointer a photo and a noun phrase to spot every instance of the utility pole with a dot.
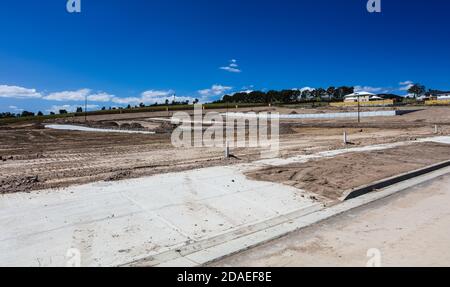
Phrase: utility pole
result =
(359, 110)
(85, 108)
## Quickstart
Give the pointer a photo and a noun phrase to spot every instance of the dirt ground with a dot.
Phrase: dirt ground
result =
(331, 177)
(32, 157)
(409, 229)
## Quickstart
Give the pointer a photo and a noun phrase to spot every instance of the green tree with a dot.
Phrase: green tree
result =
(343, 91)
(331, 91)
(318, 94)
(27, 114)
(417, 90)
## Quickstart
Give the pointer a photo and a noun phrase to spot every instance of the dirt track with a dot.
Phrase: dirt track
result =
(35, 158)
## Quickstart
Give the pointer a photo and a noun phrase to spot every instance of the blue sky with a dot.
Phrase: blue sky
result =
(119, 52)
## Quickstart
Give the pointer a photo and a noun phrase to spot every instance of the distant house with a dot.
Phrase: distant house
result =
(443, 96)
(362, 97)
(427, 97)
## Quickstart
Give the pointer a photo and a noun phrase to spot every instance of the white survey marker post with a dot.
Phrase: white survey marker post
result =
(73, 6)
(374, 6)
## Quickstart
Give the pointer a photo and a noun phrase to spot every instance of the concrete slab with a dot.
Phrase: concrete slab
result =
(87, 129)
(113, 223)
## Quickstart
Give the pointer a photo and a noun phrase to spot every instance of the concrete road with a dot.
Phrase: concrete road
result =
(411, 228)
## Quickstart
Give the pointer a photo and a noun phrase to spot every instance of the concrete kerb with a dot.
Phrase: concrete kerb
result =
(227, 248)
(175, 255)
(354, 193)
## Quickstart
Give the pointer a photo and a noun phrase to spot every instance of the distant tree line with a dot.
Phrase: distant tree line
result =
(22, 114)
(312, 95)
(289, 96)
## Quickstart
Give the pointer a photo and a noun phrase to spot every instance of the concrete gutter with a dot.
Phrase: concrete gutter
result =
(215, 253)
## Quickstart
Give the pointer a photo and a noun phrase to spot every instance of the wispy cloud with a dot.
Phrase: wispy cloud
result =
(373, 90)
(247, 89)
(147, 97)
(78, 95)
(215, 90)
(15, 109)
(17, 92)
(70, 108)
(406, 85)
(101, 97)
(232, 67)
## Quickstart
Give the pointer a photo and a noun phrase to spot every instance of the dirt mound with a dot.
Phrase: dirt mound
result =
(330, 177)
(165, 127)
(119, 176)
(125, 126)
(109, 125)
(18, 184)
(136, 126)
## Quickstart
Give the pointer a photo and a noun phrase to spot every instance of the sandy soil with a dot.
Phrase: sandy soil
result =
(409, 229)
(34, 158)
(330, 178)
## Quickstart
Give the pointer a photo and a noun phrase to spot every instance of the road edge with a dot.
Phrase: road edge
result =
(240, 244)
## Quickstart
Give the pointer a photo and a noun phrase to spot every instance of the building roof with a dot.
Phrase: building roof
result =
(359, 94)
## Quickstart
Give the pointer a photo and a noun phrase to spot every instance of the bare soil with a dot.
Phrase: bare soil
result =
(331, 177)
(32, 157)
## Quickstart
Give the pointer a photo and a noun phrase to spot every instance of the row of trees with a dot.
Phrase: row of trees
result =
(22, 114)
(166, 103)
(288, 96)
(418, 90)
(320, 94)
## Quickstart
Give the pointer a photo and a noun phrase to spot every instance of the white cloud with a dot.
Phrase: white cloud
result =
(18, 92)
(79, 95)
(101, 97)
(406, 85)
(150, 97)
(15, 109)
(70, 108)
(373, 90)
(215, 90)
(126, 101)
(303, 89)
(232, 67)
